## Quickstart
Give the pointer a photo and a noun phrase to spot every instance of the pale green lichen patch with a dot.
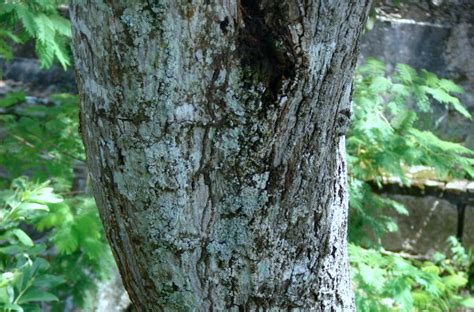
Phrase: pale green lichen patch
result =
(166, 165)
(196, 147)
(261, 180)
(229, 144)
(169, 220)
(230, 236)
(137, 21)
(171, 282)
(184, 112)
(247, 202)
(263, 270)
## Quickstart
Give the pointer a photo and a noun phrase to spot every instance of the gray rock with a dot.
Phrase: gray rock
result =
(112, 296)
(427, 227)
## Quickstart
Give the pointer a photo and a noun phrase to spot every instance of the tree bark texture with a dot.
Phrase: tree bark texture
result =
(214, 132)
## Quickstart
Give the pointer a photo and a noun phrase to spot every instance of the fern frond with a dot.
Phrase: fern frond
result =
(428, 138)
(406, 73)
(404, 121)
(445, 98)
(27, 18)
(449, 86)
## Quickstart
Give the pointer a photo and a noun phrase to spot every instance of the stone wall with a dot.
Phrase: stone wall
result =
(427, 227)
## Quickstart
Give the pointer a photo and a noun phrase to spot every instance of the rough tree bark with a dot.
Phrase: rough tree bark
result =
(214, 133)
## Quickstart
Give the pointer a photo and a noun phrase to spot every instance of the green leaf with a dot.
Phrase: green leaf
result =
(11, 250)
(370, 23)
(37, 295)
(9, 34)
(468, 302)
(33, 206)
(46, 196)
(380, 84)
(48, 281)
(61, 25)
(399, 208)
(404, 120)
(450, 86)
(455, 281)
(406, 73)
(6, 50)
(48, 44)
(6, 278)
(461, 109)
(66, 239)
(23, 237)
(12, 306)
(12, 99)
(432, 269)
(444, 97)
(44, 28)
(372, 276)
(391, 226)
(26, 17)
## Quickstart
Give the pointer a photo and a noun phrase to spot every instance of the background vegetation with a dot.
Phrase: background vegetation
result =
(385, 140)
(52, 247)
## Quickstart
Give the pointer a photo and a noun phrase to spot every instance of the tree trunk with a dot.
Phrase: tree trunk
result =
(214, 133)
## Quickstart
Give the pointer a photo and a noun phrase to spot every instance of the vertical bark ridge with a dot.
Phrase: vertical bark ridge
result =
(214, 135)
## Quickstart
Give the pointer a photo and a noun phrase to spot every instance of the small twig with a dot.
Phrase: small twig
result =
(406, 255)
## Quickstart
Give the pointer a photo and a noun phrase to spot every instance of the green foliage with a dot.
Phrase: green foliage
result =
(40, 21)
(83, 254)
(41, 139)
(389, 282)
(385, 140)
(65, 256)
(25, 279)
(52, 245)
(368, 219)
(45, 228)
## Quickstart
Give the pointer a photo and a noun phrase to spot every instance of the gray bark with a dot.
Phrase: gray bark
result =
(214, 133)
